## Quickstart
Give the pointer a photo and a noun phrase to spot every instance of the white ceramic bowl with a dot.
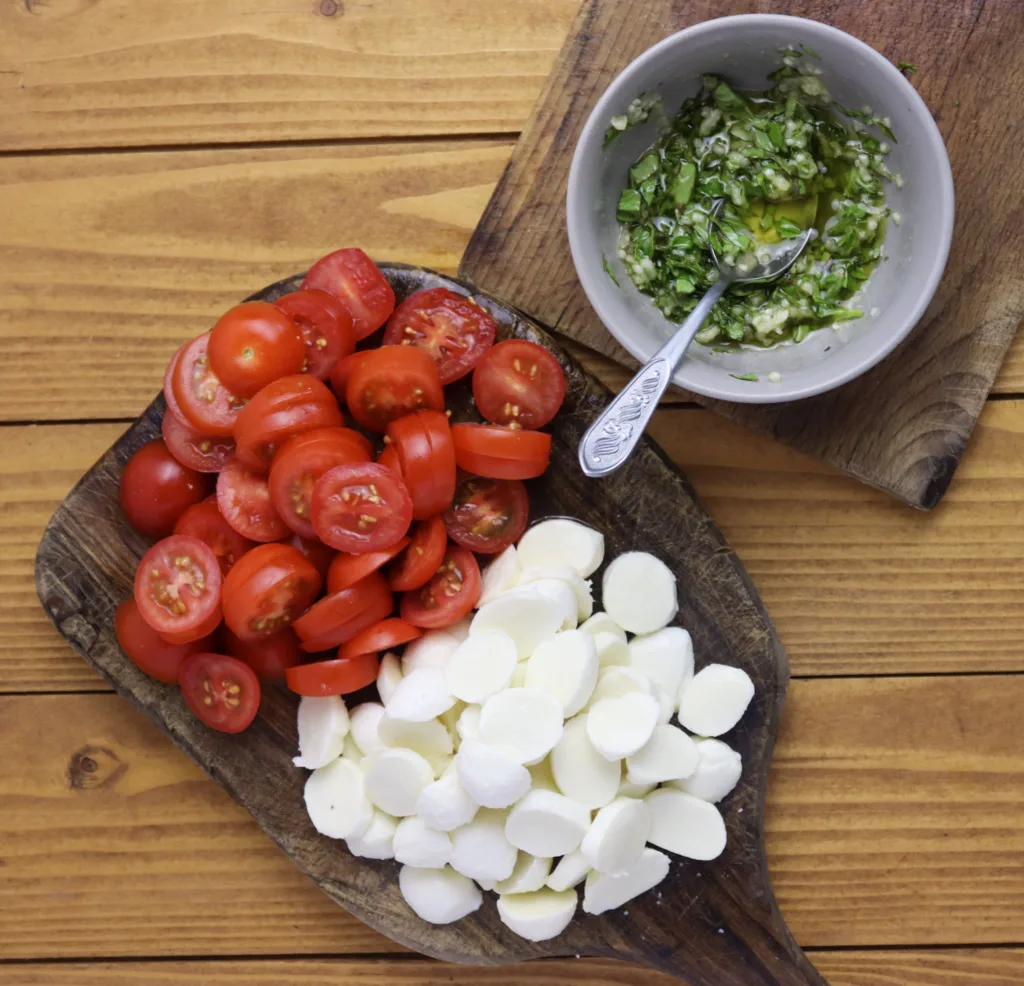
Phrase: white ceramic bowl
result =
(744, 50)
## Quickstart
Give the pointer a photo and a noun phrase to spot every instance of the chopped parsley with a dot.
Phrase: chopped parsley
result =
(907, 68)
(749, 377)
(608, 270)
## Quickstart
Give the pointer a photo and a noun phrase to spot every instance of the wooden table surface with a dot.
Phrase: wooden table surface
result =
(160, 161)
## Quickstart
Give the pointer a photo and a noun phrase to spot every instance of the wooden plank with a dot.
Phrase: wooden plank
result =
(894, 817)
(123, 74)
(952, 967)
(855, 583)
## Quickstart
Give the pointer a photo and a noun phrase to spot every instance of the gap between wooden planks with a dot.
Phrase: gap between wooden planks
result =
(110, 261)
(895, 817)
(953, 967)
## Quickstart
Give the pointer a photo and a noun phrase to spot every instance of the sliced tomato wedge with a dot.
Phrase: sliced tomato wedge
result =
(326, 327)
(390, 382)
(222, 691)
(392, 632)
(204, 453)
(343, 370)
(423, 443)
(337, 677)
(205, 522)
(389, 459)
(360, 507)
(318, 554)
(452, 328)
(338, 617)
(267, 589)
(347, 570)
(422, 558)
(243, 497)
(270, 657)
(487, 515)
(354, 278)
(519, 382)
(177, 588)
(453, 590)
(200, 398)
(499, 452)
(301, 461)
(146, 649)
(169, 397)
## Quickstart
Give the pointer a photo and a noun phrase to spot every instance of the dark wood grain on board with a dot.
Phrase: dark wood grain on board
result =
(903, 426)
(715, 924)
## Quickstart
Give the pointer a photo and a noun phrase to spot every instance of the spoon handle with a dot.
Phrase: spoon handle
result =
(610, 440)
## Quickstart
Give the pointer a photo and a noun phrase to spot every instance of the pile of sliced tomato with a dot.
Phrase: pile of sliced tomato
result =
(289, 539)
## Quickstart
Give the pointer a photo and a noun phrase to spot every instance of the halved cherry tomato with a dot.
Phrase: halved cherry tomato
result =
(318, 554)
(343, 370)
(177, 588)
(202, 400)
(389, 459)
(156, 489)
(301, 461)
(205, 522)
(254, 344)
(452, 328)
(243, 497)
(326, 326)
(340, 616)
(389, 633)
(222, 691)
(390, 382)
(347, 570)
(147, 650)
(453, 590)
(169, 397)
(499, 452)
(281, 410)
(333, 677)
(354, 278)
(423, 442)
(267, 589)
(519, 382)
(414, 567)
(361, 507)
(204, 453)
(270, 657)
(487, 515)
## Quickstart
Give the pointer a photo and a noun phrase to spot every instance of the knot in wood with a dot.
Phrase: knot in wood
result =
(94, 767)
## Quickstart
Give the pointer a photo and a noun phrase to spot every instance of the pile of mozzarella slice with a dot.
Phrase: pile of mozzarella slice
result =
(531, 748)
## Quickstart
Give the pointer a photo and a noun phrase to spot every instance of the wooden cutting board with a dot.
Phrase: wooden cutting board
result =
(903, 426)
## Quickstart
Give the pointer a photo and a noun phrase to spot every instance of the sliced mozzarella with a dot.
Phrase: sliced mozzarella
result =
(547, 824)
(571, 871)
(715, 700)
(718, 771)
(480, 849)
(527, 615)
(538, 916)
(482, 666)
(323, 726)
(616, 681)
(438, 896)
(665, 656)
(394, 780)
(377, 842)
(524, 723)
(603, 623)
(639, 592)
(605, 891)
(445, 805)
(468, 725)
(351, 751)
(629, 789)
(499, 576)
(580, 772)
(336, 800)
(529, 874)
(518, 676)
(561, 541)
(421, 695)
(365, 723)
(489, 776)
(460, 630)
(429, 739)
(416, 844)
(612, 650)
(565, 666)
(685, 825)
(561, 594)
(618, 727)
(388, 676)
(617, 836)
(541, 776)
(433, 650)
(567, 574)
(450, 720)
(667, 756)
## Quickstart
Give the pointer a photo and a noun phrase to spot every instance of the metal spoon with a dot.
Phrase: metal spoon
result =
(610, 440)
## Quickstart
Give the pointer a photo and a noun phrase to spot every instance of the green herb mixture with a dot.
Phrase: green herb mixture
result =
(782, 161)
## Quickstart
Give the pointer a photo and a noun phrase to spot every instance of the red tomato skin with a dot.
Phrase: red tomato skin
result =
(270, 657)
(205, 522)
(392, 632)
(337, 677)
(337, 618)
(420, 560)
(200, 398)
(518, 382)
(390, 382)
(203, 453)
(156, 489)
(390, 510)
(451, 593)
(243, 498)
(225, 672)
(426, 458)
(192, 560)
(501, 453)
(350, 275)
(254, 344)
(347, 570)
(146, 649)
(342, 371)
(318, 554)
(170, 398)
(325, 326)
(388, 458)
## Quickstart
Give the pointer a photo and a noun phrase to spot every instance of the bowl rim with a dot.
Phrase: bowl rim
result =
(758, 393)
